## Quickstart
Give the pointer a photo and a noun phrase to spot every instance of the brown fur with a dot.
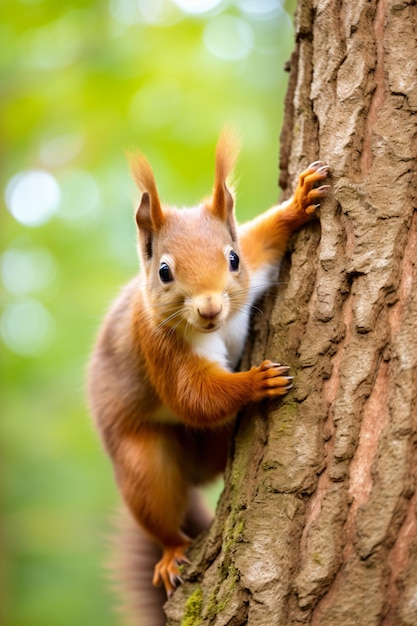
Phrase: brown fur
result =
(163, 405)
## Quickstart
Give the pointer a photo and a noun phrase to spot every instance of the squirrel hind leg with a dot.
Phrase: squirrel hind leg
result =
(132, 565)
(198, 518)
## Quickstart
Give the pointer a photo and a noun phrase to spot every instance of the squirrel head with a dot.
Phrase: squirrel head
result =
(195, 277)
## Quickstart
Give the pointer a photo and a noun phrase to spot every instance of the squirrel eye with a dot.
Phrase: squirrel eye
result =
(234, 261)
(165, 273)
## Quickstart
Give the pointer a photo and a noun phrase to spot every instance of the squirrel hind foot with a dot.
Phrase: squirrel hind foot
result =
(167, 570)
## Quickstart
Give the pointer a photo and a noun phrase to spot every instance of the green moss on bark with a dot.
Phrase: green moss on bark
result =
(193, 609)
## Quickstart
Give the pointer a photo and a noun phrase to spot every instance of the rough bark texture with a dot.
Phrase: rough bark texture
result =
(318, 521)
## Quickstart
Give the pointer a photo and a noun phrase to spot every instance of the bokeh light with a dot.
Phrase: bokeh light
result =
(26, 269)
(61, 35)
(26, 327)
(228, 37)
(61, 150)
(33, 197)
(196, 7)
(262, 7)
(80, 198)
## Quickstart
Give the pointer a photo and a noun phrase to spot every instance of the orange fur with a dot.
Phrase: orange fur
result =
(162, 385)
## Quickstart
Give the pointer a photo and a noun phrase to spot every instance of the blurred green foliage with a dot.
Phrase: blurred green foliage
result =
(82, 81)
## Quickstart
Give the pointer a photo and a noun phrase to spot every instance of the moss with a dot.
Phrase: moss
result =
(317, 558)
(193, 609)
(212, 607)
(235, 531)
(216, 605)
(239, 528)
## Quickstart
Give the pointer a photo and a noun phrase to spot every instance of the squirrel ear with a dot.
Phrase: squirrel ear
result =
(222, 201)
(145, 225)
(149, 216)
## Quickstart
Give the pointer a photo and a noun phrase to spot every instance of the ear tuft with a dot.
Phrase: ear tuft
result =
(222, 203)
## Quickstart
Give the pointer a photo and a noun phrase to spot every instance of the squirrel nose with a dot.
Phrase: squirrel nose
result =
(209, 307)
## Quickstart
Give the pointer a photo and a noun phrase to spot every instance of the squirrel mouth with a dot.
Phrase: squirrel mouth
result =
(210, 327)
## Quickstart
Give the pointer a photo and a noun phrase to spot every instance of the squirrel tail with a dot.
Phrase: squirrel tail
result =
(133, 560)
(131, 572)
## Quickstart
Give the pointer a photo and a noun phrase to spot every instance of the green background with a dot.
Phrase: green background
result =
(81, 82)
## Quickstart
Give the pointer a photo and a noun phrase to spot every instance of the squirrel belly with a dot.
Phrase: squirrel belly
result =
(162, 383)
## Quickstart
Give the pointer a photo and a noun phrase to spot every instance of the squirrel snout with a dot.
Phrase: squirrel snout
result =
(209, 307)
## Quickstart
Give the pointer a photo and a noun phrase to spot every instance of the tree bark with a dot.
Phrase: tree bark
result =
(318, 521)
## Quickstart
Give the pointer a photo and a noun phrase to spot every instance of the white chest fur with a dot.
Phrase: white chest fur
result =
(225, 346)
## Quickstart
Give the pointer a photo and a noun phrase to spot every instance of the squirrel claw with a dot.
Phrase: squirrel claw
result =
(310, 189)
(182, 560)
(271, 380)
(319, 167)
(166, 570)
(175, 580)
(323, 189)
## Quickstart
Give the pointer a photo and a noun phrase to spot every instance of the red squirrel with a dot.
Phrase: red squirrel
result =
(163, 388)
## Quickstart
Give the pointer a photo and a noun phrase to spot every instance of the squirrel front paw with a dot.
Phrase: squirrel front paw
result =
(270, 380)
(307, 195)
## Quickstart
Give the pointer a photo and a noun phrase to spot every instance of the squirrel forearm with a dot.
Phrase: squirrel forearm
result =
(217, 395)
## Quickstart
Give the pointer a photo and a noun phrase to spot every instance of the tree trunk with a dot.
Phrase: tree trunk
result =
(318, 521)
